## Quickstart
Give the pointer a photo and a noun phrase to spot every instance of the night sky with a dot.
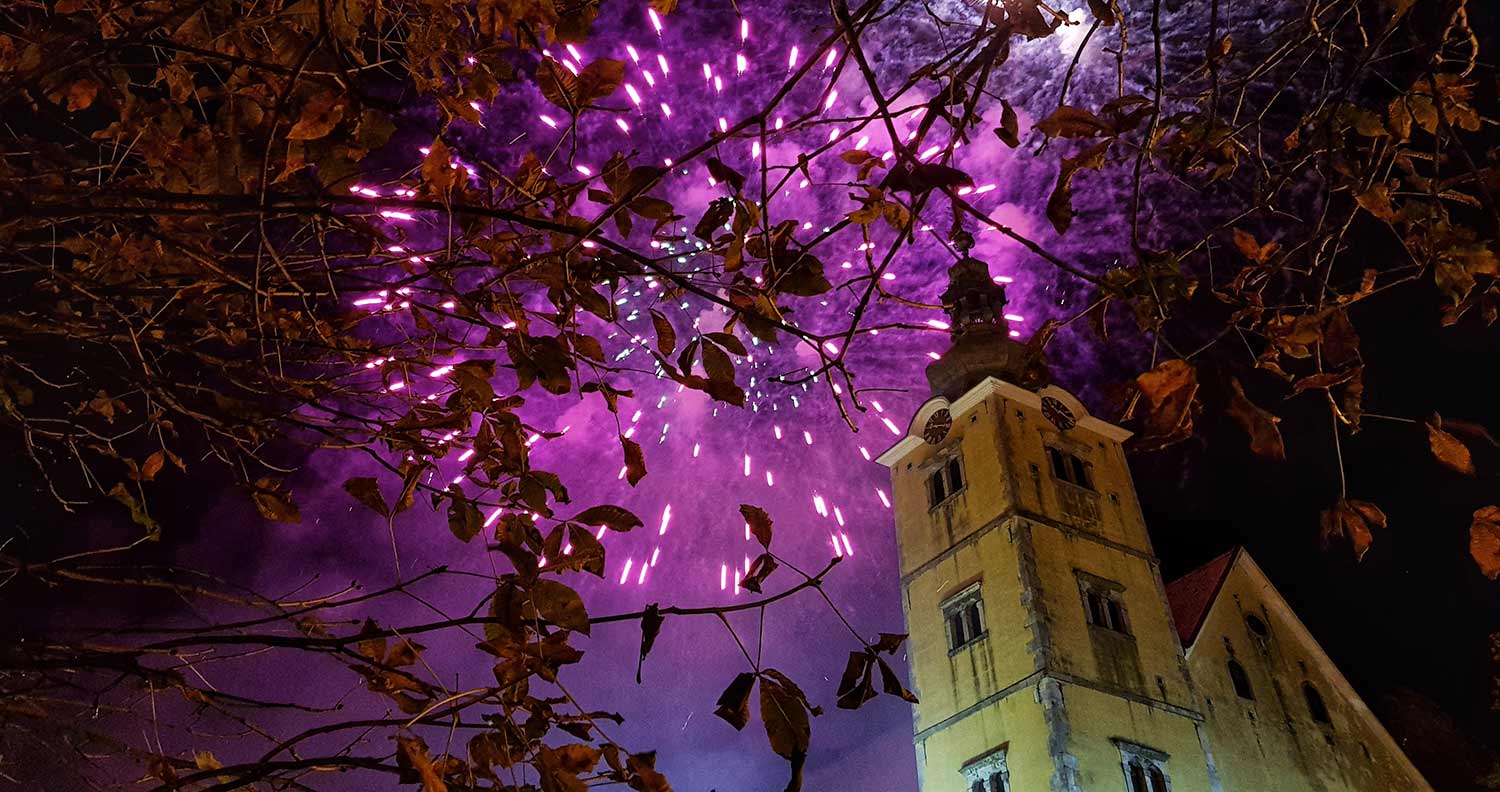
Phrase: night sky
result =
(1413, 614)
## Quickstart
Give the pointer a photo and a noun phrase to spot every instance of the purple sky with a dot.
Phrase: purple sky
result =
(672, 712)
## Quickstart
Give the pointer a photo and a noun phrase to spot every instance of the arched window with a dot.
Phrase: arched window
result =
(1241, 680)
(1257, 627)
(1315, 705)
(1145, 768)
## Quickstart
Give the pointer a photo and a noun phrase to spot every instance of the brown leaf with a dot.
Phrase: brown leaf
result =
(617, 518)
(320, 115)
(1072, 122)
(1350, 521)
(856, 686)
(464, 519)
(734, 703)
(367, 491)
(1170, 391)
(413, 756)
(558, 85)
(152, 465)
(138, 514)
(760, 523)
(760, 569)
(81, 94)
(651, 622)
(1103, 11)
(1260, 424)
(404, 653)
(559, 604)
(1323, 381)
(1448, 450)
(891, 684)
(437, 167)
(889, 643)
(1484, 541)
(272, 503)
(714, 218)
(783, 710)
(716, 364)
(921, 177)
(1253, 250)
(1008, 131)
(724, 173)
(600, 79)
(588, 552)
(635, 460)
(1060, 202)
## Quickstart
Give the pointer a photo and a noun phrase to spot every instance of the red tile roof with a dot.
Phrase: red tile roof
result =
(1191, 595)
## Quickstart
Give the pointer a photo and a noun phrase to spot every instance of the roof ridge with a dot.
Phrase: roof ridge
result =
(1191, 596)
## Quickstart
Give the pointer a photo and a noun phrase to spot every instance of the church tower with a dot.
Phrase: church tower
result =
(1041, 646)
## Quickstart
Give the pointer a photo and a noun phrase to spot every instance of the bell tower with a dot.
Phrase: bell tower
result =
(1041, 643)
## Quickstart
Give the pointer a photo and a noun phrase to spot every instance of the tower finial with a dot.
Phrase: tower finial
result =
(982, 344)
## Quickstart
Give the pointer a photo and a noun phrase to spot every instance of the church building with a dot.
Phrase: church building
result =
(1046, 651)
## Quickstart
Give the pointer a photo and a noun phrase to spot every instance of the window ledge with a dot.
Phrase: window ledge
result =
(1112, 632)
(947, 499)
(969, 644)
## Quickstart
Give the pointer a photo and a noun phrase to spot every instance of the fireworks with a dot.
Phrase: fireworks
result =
(713, 444)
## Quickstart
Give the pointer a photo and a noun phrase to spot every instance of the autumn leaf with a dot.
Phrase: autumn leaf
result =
(437, 167)
(138, 513)
(366, 490)
(599, 80)
(152, 465)
(559, 604)
(1324, 381)
(1447, 449)
(412, 756)
(1072, 122)
(1484, 541)
(557, 84)
(635, 460)
(616, 517)
(320, 115)
(666, 337)
(891, 683)
(1008, 131)
(713, 220)
(81, 94)
(716, 363)
(783, 710)
(724, 173)
(856, 686)
(1060, 202)
(760, 569)
(1253, 250)
(734, 703)
(1350, 521)
(920, 177)
(272, 503)
(760, 523)
(1260, 424)
(1103, 10)
(464, 519)
(1170, 390)
(651, 622)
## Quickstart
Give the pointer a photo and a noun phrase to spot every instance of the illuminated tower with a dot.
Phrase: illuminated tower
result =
(1042, 646)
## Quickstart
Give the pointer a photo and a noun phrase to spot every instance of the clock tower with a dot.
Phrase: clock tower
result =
(1041, 643)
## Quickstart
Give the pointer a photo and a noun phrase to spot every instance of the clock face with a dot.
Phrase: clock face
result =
(937, 427)
(1058, 413)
